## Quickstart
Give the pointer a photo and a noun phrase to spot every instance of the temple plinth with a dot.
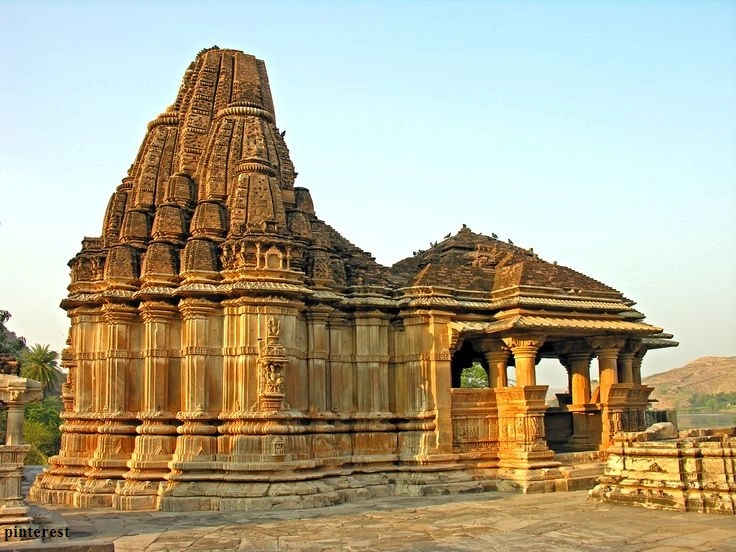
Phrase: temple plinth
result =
(228, 349)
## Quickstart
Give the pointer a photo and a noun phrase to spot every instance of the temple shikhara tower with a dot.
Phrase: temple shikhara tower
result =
(230, 350)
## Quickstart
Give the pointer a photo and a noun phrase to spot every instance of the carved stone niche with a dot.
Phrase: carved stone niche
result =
(272, 362)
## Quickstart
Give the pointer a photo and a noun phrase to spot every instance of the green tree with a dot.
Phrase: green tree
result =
(474, 376)
(39, 363)
(10, 344)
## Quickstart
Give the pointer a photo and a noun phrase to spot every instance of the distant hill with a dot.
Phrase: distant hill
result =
(705, 375)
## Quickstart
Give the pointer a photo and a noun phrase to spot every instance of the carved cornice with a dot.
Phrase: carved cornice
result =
(119, 313)
(196, 308)
(157, 311)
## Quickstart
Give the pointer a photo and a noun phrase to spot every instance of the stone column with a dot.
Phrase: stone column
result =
(612, 396)
(497, 356)
(580, 377)
(523, 449)
(636, 365)
(576, 354)
(626, 361)
(156, 438)
(14, 430)
(606, 349)
(524, 348)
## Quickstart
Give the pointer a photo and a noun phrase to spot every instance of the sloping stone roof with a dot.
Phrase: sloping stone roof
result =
(210, 201)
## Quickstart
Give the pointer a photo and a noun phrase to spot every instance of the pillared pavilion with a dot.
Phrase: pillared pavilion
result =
(230, 350)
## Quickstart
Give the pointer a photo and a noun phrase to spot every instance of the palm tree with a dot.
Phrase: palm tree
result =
(39, 363)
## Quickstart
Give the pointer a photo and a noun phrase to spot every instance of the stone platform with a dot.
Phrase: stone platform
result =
(487, 521)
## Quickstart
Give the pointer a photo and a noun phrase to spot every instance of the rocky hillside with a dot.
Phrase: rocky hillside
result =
(705, 375)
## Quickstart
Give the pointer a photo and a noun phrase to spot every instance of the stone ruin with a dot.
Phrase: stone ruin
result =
(693, 471)
(15, 393)
(230, 350)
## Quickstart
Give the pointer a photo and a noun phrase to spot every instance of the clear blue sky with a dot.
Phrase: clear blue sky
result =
(603, 134)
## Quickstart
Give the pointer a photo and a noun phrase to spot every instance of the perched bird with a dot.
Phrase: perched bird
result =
(494, 236)
(447, 236)
(283, 134)
(510, 242)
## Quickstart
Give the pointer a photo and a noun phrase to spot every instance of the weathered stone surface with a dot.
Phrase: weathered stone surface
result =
(693, 473)
(229, 349)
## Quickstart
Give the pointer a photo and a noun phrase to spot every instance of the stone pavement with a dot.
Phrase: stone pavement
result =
(488, 521)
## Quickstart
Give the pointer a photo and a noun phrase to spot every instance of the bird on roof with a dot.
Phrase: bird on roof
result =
(510, 242)
(283, 134)
(494, 235)
(447, 236)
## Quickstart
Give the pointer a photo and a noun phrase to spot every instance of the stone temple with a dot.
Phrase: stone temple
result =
(230, 350)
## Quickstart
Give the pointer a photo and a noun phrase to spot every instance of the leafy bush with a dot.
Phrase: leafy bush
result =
(41, 425)
(35, 458)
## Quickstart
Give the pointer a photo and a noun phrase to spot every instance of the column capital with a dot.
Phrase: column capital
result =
(576, 348)
(524, 343)
(490, 345)
(606, 345)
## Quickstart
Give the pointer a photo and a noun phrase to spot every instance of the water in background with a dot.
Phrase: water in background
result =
(692, 420)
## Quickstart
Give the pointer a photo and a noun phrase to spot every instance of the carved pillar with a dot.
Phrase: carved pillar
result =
(524, 348)
(196, 446)
(342, 377)
(576, 355)
(626, 361)
(79, 431)
(14, 429)
(636, 365)
(522, 446)
(156, 438)
(497, 356)
(319, 383)
(375, 438)
(116, 429)
(612, 398)
(606, 349)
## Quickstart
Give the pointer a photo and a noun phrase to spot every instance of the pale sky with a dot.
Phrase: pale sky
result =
(602, 134)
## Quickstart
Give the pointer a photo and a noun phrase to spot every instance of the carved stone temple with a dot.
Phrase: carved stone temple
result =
(230, 350)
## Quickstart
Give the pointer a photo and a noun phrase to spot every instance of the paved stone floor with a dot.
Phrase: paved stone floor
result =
(488, 522)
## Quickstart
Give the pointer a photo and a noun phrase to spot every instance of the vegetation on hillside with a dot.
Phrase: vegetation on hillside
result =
(713, 401)
(703, 377)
